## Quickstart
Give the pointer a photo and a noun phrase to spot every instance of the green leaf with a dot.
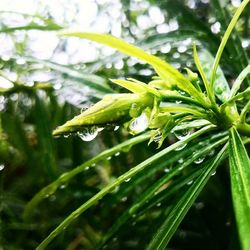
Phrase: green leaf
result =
(111, 109)
(167, 72)
(239, 81)
(150, 193)
(129, 174)
(240, 185)
(178, 212)
(221, 87)
(136, 86)
(225, 39)
(91, 80)
(66, 177)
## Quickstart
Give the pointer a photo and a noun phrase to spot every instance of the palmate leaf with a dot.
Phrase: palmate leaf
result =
(129, 174)
(174, 218)
(240, 185)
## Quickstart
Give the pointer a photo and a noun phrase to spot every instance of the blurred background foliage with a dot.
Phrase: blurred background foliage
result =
(46, 80)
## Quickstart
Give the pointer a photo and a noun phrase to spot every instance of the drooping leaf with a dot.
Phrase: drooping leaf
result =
(240, 185)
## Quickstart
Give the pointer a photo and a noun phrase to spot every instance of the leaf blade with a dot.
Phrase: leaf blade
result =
(169, 226)
(240, 185)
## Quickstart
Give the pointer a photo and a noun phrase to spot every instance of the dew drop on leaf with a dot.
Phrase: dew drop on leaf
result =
(124, 199)
(52, 198)
(116, 128)
(1, 167)
(88, 134)
(127, 180)
(181, 147)
(190, 182)
(182, 134)
(117, 154)
(199, 160)
(139, 124)
(213, 173)
(180, 160)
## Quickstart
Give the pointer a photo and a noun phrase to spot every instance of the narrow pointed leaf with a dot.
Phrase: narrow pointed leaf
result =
(221, 87)
(136, 86)
(173, 220)
(167, 72)
(129, 174)
(240, 185)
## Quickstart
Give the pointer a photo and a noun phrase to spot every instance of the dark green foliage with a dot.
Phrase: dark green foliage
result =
(118, 191)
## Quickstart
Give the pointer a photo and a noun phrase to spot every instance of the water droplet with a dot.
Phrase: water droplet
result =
(213, 173)
(124, 199)
(139, 124)
(88, 134)
(181, 160)
(109, 158)
(219, 89)
(215, 28)
(199, 160)
(66, 136)
(1, 167)
(158, 204)
(182, 134)
(62, 186)
(190, 182)
(211, 153)
(93, 165)
(199, 205)
(87, 168)
(182, 49)
(117, 154)
(182, 92)
(84, 109)
(178, 102)
(127, 180)
(166, 170)
(116, 128)
(181, 147)
(52, 198)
